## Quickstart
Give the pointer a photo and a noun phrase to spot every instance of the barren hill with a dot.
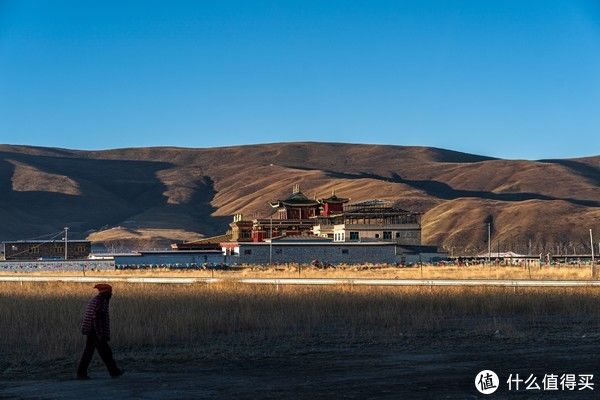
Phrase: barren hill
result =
(154, 195)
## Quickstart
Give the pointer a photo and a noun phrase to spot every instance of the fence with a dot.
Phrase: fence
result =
(33, 266)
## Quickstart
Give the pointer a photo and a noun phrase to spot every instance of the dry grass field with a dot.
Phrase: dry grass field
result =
(575, 272)
(253, 341)
(40, 321)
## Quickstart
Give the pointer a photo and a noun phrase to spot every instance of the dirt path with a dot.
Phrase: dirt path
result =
(442, 370)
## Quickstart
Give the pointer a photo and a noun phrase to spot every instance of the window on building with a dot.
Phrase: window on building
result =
(387, 235)
(344, 251)
(398, 235)
(354, 236)
(247, 252)
(377, 236)
(277, 251)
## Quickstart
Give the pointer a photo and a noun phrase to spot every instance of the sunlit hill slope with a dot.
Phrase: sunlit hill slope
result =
(147, 197)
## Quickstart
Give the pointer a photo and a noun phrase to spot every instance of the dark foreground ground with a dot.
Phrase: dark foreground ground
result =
(421, 368)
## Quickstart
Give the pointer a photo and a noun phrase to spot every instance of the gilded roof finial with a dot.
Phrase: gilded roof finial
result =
(296, 188)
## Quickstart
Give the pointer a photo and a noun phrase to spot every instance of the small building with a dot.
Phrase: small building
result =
(241, 229)
(46, 249)
(209, 243)
(332, 205)
(109, 256)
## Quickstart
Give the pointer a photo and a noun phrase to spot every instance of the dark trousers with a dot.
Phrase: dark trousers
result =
(93, 343)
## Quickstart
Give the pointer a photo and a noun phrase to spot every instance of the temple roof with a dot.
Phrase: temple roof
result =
(334, 199)
(296, 199)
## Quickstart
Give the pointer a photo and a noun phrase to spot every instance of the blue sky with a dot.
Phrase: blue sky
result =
(513, 79)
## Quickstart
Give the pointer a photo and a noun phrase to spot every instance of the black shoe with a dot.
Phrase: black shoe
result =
(82, 377)
(117, 373)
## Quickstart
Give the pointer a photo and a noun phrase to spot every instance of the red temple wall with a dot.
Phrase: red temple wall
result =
(332, 208)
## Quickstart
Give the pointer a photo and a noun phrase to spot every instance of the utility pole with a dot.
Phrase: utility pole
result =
(498, 255)
(66, 242)
(592, 246)
(489, 242)
(271, 242)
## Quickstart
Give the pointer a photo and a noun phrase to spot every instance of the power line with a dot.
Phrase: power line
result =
(42, 236)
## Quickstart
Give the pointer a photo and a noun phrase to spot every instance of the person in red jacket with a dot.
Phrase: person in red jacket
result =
(96, 328)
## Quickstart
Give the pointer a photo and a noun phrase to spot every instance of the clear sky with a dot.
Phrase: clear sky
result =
(513, 79)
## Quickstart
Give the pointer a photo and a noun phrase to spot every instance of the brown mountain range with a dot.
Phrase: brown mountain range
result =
(150, 196)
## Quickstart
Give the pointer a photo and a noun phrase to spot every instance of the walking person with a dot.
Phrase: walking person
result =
(96, 328)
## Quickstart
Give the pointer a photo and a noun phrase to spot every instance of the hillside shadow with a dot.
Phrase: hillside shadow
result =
(197, 212)
(204, 210)
(455, 157)
(444, 191)
(111, 193)
(586, 171)
(111, 190)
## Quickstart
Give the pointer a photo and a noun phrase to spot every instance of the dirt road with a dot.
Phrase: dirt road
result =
(423, 368)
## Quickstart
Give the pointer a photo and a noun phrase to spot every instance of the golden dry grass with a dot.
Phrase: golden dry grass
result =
(359, 271)
(40, 321)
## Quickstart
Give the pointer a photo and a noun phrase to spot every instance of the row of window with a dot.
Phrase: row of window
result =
(248, 252)
(387, 235)
(407, 219)
(54, 249)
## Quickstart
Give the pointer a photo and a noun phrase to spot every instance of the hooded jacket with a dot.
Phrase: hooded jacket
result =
(96, 320)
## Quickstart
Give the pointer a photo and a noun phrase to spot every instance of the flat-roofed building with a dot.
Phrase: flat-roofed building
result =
(46, 249)
(308, 249)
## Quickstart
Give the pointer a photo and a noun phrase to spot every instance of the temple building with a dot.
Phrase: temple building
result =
(295, 207)
(369, 221)
(292, 216)
(328, 229)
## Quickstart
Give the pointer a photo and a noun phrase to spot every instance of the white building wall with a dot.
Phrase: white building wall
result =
(408, 234)
(332, 253)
